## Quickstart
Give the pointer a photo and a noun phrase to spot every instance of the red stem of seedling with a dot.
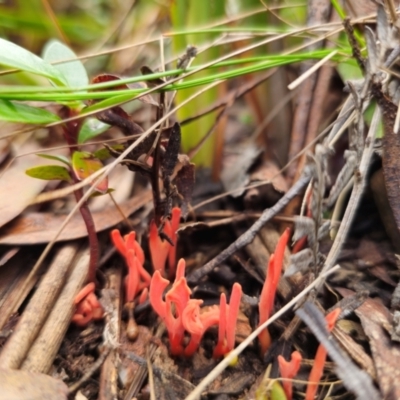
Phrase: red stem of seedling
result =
(92, 235)
(71, 131)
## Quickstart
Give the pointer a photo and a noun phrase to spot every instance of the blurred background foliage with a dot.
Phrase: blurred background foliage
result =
(120, 36)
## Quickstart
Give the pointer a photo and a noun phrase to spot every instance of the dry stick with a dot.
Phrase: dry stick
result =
(111, 301)
(310, 71)
(360, 182)
(141, 374)
(234, 353)
(93, 368)
(45, 348)
(53, 18)
(37, 310)
(13, 288)
(250, 234)
(354, 378)
(337, 130)
(340, 205)
(150, 374)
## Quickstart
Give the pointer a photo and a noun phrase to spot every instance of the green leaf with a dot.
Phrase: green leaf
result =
(62, 159)
(277, 392)
(91, 128)
(73, 71)
(17, 112)
(85, 164)
(369, 112)
(14, 56)
(349, 71)
(104, 153)
(49, 173)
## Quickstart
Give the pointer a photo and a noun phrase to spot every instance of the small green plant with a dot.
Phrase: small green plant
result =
(80, 164)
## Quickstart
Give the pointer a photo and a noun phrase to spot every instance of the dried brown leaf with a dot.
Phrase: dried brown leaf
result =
(34, 228)
(268, 193)
(19, 187)
(236, 166)
(377, 323)
(24, 385)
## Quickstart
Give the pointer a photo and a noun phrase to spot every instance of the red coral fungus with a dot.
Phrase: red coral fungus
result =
(138, 278)
(268, 292)
(196, 323)
(161, 250)
(289, 370)
(227, 323)
(320, 358)
(88, 307)
(172, 308)
(180, 314)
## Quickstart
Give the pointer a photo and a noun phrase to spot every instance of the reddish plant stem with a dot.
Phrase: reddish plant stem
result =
(71, 130)
(92, 235)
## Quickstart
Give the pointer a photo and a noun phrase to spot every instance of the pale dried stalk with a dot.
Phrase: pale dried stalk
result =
(343, 178)
(44, 349)
(360, 182)
(111, 301)
(298, 81)
(340, 205)
(12, 290)
(37, 310)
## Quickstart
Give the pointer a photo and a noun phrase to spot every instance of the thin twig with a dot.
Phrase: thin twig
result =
(93, 368)
(249, 235)
(310, 71)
